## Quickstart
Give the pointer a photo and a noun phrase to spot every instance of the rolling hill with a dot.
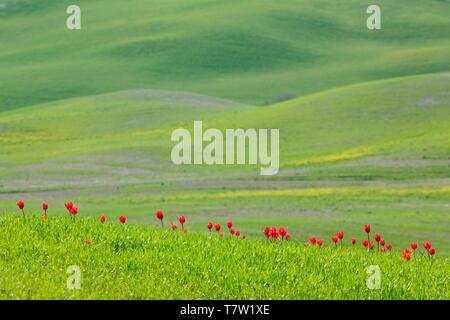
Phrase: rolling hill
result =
(255, 51)
(375, 152)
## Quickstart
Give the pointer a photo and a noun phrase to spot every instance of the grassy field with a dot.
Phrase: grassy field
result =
(138, 262)
(375, 152)
(251, 51)
(87, 116)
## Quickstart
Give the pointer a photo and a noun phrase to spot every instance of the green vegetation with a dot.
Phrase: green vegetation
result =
(87, 116)
(250, 51)
(138, 262)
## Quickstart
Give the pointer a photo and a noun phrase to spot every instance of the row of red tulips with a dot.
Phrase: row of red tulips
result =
(273, 233)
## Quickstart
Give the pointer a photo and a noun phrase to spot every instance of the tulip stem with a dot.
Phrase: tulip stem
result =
(23, 212)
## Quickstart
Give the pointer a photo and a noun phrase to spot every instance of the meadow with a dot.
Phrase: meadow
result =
(142, 262)
(87, 116)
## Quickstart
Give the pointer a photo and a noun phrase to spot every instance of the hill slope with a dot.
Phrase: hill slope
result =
(373, 152)
(252, 51)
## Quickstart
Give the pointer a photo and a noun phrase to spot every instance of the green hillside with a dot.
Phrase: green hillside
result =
(374, 152)
(253, 51)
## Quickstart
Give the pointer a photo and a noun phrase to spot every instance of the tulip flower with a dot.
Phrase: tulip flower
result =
(389, 247)
(267, 231)
(210, 226)
(414, 246)
(282, 231)
(367, 230)
(74, 211)
(335, 239)
(320, 243)
(232, 231)
(88, 242)
(365, 243)
(432, 251)
(182, 220)
(288, 236)
(312, 240)
(229, 224)
(217, 227)
(102, 218)
(238, 233)
(353, 241)
(122, 219)
(382, 242)
(174, 227)
(69, 206)
(45, 207)
(426, 245)
(160, 216)
(21, 206)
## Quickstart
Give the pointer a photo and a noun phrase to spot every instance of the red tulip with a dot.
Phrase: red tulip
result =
(389, 247)
(340, 235)
(353, 240)
(320, 243)
(102, 218)
(44, 206)
(365, 243)
(210, 226)
(88, 242)
(238, 233)
(426, 245)
(371, 246)
(334, 239)
(288, 236)
(432, 251)
(282, 232)
(21, 205)
(160, 216)
(174, 227)
(68, 205)
(382, 249)
(382, 242)
(74, 211)
(221, 235)
(122, 219)
(217, 227)
(182, 220)
(229, 224)
(414, 245)
(406, 256)
(377, 237)
(367, 228)
(232, 230)
(313, 240)
(267, 231)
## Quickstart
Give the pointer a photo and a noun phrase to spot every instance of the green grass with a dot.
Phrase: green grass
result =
(141, 262)
(251, 51)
